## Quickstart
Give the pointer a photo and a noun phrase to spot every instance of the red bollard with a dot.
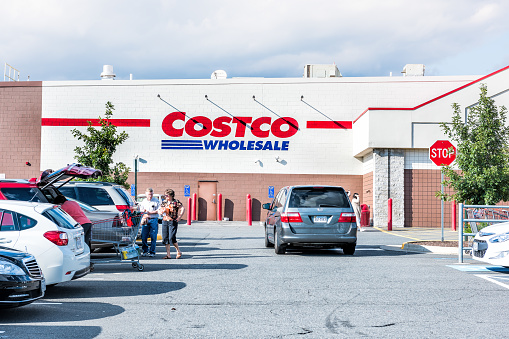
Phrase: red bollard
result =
(189, 204)
(194, 206)
(389, 215)
(249, 213)
(453, 215)
(219, 207)
(247, 204)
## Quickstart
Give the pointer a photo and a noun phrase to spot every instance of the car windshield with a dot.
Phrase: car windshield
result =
(24, 194)
(313, 197)
(60, 218)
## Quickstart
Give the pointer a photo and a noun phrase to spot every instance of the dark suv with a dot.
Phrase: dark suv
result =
(311, 216)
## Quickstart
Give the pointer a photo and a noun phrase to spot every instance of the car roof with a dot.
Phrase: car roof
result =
(24, 204)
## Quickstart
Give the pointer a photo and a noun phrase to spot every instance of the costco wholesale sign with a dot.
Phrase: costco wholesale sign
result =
(225, 126)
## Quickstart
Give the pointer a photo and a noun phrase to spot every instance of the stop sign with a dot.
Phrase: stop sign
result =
(442, 153)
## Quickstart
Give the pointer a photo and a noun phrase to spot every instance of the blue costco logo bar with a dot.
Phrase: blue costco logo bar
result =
(223, 145)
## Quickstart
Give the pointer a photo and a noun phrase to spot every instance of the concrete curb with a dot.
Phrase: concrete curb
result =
(410, 247)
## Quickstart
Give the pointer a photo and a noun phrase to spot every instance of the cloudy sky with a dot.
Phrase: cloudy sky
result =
(151, 39)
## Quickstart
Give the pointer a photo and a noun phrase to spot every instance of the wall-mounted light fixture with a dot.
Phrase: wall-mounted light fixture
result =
(28, 163)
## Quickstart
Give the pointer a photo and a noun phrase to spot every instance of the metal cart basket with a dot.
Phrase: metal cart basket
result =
(121, 232)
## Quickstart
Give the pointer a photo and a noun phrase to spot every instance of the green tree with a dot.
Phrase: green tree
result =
(99, 146)
(482, 154)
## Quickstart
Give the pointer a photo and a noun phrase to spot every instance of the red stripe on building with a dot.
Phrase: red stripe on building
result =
(329, 124)
(95, 122)
(432, 100)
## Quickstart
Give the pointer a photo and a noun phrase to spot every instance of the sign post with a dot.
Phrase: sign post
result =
(442, 153)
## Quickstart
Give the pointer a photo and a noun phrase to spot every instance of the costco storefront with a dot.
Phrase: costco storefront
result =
(239, 136)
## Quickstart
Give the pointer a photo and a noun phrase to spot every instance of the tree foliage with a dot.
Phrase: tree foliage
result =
(99, 146)
(482, 154)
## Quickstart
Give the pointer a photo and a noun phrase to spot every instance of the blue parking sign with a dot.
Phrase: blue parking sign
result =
(187, 191)
(133, 190)
(271, 192)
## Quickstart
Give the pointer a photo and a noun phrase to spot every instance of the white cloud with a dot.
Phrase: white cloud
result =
(59, 39)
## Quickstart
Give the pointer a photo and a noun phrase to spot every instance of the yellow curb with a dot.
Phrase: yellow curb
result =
(159, 237)
(397, 235)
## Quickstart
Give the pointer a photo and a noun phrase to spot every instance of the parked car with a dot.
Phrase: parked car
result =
(43, 190)
(104, 196)
(310, 216)
(49, 234)
(21, 279)
(491, 245)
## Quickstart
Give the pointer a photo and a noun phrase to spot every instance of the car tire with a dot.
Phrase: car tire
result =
(267, 241)
(349, 249)
(279, 248)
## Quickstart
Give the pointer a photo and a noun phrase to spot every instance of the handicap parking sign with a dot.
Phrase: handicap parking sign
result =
(133, 190)
(187, 190)
(271, 192)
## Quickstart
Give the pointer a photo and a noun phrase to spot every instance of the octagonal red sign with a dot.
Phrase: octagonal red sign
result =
(442, 153)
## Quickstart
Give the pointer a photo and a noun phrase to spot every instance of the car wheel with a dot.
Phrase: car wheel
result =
(267, 241)
(279, 248)
(349, 249)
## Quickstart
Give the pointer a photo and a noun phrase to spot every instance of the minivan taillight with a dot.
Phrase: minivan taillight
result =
(59, 238)
(122, 208)
(347, 217)
(291, 217)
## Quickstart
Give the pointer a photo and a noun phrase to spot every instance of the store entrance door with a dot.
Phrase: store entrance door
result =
(207, 200)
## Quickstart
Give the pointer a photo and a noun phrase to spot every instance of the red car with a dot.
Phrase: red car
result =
(42, 190)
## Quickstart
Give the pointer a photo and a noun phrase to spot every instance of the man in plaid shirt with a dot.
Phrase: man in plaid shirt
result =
(172, 211)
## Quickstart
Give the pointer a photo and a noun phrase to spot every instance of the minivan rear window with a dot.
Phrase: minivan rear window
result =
(313, 197)
(94, 196)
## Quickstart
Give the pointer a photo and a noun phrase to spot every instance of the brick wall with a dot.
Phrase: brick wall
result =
(367, 189)
(235, 187)
(422, 208)
(20, 129)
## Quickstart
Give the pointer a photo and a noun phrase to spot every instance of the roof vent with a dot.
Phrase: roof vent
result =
(321, 71)
(219, 74)
(107, 73)
(413, 70)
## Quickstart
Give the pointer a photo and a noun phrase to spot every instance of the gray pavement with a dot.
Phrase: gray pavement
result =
(229, 285)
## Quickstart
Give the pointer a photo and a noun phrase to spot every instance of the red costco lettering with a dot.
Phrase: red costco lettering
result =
(221, 127)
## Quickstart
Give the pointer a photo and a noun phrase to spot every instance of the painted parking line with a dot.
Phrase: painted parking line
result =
(477, 268)
(499, 280)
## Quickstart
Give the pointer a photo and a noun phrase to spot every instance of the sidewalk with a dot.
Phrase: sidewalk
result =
(410, 235)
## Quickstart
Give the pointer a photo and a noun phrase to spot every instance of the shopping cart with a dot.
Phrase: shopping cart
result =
(121, 232)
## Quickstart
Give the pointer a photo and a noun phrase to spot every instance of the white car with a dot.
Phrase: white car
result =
(54, 238)
(491, 245)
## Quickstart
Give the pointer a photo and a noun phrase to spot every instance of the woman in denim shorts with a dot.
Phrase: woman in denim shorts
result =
(172, 211)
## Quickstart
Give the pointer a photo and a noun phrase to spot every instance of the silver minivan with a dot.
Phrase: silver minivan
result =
(319, 216)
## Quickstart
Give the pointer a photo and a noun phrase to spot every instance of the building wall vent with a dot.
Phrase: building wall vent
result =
(321, 71)
(413, 70)
(107, 73)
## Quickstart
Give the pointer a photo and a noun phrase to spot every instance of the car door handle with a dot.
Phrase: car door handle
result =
(5, 241)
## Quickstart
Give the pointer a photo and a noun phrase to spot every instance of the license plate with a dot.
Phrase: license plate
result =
(79, 243)
(320, 219)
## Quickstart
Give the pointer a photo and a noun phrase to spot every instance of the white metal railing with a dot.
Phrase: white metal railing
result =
(8, 69)
(475, 215)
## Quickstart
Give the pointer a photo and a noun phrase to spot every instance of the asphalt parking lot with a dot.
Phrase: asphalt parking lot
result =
(229, 285)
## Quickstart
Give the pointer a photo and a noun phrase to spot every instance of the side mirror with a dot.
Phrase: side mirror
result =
(266, 206)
